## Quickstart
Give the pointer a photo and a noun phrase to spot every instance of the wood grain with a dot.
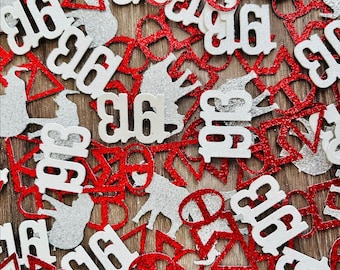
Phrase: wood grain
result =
(289, 177)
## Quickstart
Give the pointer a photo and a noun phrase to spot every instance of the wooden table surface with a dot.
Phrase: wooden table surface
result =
(288, 176)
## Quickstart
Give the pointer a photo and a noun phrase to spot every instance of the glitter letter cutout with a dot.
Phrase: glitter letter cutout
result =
(117, 248)
(157, 81)
(39, 240)
(225, 97)
(49, 147)
(330, 211)
(68, 70)
(330, 139)
(316, 46)
(81, 257)
(281, 234)
(304, 261)
(31, 38)
(261, 29)
(122, 133)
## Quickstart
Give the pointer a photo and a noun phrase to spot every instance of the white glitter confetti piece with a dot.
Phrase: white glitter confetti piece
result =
(330, 211)
(116, 248)
(68, 228)
(8, 17)
(330, 138)
(103, 71)
(317, 46)
(66, 114)
(100, 25)
(4, 175)
(32, 235)
(311, 163)
(13, 115)
(32, 34)
(164, 198)
(335, 6)
(157, 81)
(283, 233)
(154, 116)
(224, 30)
(61, 180)
(304, 261)
(235, 104)
(80, 256)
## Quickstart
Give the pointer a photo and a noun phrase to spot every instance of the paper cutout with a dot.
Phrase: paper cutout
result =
(68, 228)
(304, 261)
(335, 6)
(38, 240)
(330, 211)
(203, 211)
(9, 18)
(154, 117)
(114, 171)
(236, 103)
(157, 81)
(316, 45)
(282, 232)
(331, 139)
(164, 198)
(51, 135)
(66, 114)
(13, 114)
(223, 28)
(104, 71)
(189, 15)
(35, 263)
(3, 177)
(31, 37)
(99, 5)
(100, 25)
(115, 248)
(81, 257)
(313, 163)
(233, 103)
(151, 260)
(10, 263)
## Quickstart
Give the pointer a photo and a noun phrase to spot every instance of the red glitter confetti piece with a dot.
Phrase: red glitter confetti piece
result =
(5, 58)
(301, 9)
(149, 261)
(35, 263)
(72, 4)
(335, 255)
(11, 262)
